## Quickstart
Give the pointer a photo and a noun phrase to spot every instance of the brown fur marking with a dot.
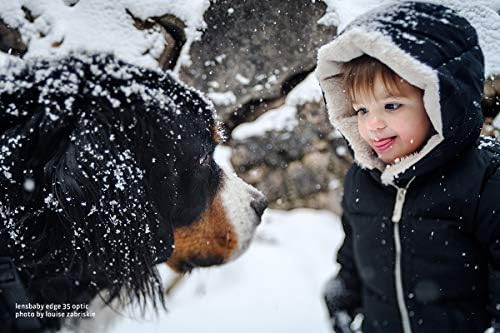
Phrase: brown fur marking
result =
(209, 241)
(216, 135)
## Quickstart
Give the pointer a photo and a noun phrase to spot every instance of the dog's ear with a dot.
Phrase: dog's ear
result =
(100, 189)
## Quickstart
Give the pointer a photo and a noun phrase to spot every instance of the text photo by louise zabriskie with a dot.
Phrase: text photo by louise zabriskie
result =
(53, 311)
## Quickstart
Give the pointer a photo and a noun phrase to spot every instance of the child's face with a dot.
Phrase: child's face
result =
(394, 125)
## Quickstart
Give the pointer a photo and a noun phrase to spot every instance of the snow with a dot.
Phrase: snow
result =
(285, 116)
(282, 118)
(222, 98)
(275, 287)
(340, 13)
(81, 26)
(482, 14)
(76, 27)
(306, 91)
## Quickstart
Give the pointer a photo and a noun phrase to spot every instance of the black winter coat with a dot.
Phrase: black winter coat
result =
(422, 246)
(449, 250)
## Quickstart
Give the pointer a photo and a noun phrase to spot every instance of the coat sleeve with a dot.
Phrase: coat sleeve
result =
(343, 291)
(488, 232)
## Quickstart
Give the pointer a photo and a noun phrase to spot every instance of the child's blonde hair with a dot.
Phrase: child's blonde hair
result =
(360, 73)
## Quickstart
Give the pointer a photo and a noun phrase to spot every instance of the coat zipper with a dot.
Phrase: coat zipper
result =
(396, 218)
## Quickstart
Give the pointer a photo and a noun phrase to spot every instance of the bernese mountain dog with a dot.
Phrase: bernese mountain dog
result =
(106, 170)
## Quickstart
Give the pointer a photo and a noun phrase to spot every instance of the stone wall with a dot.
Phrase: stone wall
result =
(303, 167)
(254, 52)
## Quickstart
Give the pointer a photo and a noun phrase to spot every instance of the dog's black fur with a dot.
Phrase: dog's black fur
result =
(118, 156)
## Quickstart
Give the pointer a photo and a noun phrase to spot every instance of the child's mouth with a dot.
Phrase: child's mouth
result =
(383, 144)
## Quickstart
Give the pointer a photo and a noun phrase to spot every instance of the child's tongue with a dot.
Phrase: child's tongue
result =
(383, 142)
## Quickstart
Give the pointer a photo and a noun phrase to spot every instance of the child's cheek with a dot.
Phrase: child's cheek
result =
(363, 132)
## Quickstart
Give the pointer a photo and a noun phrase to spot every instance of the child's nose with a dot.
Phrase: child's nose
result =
(375, 123)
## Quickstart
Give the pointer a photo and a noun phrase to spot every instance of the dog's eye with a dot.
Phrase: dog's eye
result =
(204, 159)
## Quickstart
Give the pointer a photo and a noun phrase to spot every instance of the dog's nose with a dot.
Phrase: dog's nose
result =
(259, 204)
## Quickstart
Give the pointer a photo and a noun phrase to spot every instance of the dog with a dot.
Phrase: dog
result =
(106, 170)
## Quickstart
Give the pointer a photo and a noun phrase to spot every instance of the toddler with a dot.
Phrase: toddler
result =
(421, 203)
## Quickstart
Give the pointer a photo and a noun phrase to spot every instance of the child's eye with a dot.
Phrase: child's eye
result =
(392, 106)
(361, 111)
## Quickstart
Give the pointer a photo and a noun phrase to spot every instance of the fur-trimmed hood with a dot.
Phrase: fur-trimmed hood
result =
(431, 47)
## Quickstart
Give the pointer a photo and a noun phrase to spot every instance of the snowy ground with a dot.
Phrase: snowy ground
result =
(275, 287)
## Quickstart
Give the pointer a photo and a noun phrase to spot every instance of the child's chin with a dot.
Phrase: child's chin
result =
(388, 158)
